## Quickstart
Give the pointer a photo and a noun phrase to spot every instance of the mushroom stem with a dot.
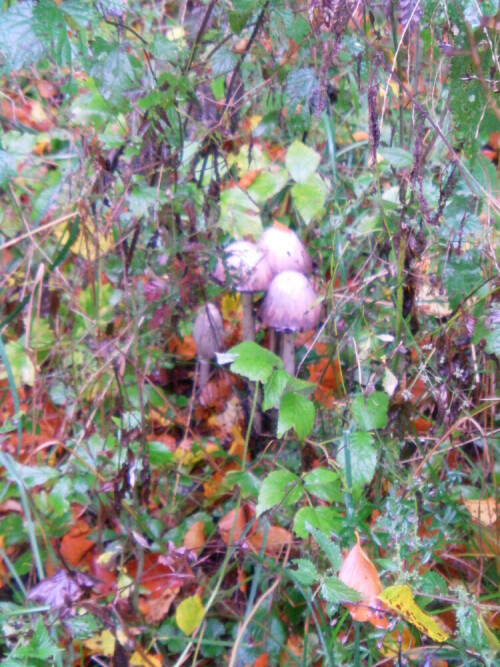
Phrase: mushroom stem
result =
(288, 352)
(204, 371)
(248, 323)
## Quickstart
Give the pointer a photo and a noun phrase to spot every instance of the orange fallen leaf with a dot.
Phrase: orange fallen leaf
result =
(194, 538)
(277, 539)
(75, 544)
(360, 573)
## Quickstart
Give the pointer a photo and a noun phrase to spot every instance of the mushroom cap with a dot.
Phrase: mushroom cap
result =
(284, 250)
(208, 331)
(245, 267)
(291, 304)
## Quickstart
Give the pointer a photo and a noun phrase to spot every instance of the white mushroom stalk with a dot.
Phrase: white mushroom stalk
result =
(208, 335)
(247, 271)
(290, 305)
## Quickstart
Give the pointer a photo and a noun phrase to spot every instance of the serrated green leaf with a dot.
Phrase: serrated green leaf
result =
(370, 412)
(114, 75)
(295, 412)
(144, 199)
(239, 215)
(331, 550)
(363, 458)
(279, 487)
(254, 362)
(324, 484)
(325, 519)
(305, 574)
(301, 161)
(300, 85)
(274, 388)
(309, 197)
(267, 184)
(396, 157)
(49, 26)
(335, 591)
(19, 43)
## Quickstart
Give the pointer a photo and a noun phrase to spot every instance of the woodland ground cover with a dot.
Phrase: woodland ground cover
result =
(345, 513)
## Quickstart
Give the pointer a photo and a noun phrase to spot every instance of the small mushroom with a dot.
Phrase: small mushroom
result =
(247, 271)
(284, 250)
(208, 334)
(290, 305)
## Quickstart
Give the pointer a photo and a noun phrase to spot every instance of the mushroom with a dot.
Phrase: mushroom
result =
(248, 272)
(290, 305)
(208, 334)
(284, 250)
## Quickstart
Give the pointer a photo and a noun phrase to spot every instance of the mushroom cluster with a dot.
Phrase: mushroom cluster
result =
(277, 265)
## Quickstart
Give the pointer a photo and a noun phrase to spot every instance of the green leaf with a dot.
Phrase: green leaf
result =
(274, 388)
(20, 363)
(325, 519)
(239, 214)
(363, 458)
(462, 275)
(331, 550)
(300, 86)
(114, 75)
(396, 157)
(370, 412)
(279, 487)
(159, 453)
(19, 43)
(49, 25)
(488, 328)
(267, 184)
(189, 614)
(335, 591)
(296, 412)
(324, 484)
(254, 362)
(309, 197)
(305, 574)
(7, 168)
(301, 161)
(31, 476)
(81, 11)
(144, 199)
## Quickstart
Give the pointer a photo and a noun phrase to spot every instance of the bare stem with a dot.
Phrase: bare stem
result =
(248, 324)
(288, 352)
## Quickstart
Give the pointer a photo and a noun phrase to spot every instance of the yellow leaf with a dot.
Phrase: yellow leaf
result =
(189, 614)
(400, 600)
(101, 644)
(148, 661)
(483, 511)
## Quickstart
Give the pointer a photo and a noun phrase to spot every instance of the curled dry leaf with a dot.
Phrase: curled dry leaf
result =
(484, 511)
(359, 572)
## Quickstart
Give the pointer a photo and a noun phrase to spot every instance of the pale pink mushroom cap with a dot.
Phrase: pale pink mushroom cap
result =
(290, 304)
(244, 267)
(284, 251)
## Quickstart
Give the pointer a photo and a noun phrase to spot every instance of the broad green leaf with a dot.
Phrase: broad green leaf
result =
(296, 412)
(488, 328)
(247, 481)
(329, 548)
(81, 11)
(144, 199)
(274, 388)
(335, 591)
(305, 573)
(19, 43)
(239, 214)
(325, 519)
(254, 362)
(396, 157)
(49, 25)
(20, 363)
(363, 458)
(7, 168)
(301, 161)
(189, 614)
(279, 487)
(267, 184)
(309, 197)
(31, 475)
(114, 75)
(400, 600)
(462, 275)
(370, 412)
(324, 484)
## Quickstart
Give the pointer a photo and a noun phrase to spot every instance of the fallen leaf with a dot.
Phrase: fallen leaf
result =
(189, 614)
(136, 660)
(76, 543)
(101, 644)
(194, 538)
(484, 511)
(359, 573)
(400, 600)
